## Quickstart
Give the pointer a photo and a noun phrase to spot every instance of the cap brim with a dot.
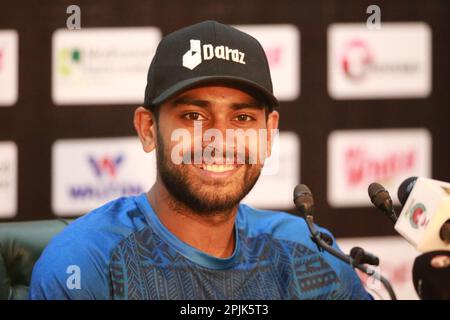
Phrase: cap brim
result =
(226, 80)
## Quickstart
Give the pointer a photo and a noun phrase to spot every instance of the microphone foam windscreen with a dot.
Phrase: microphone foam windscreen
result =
(431, 275)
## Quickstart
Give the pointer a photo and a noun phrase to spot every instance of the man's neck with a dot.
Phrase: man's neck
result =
(212, 234)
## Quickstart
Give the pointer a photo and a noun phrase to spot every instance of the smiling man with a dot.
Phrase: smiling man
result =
(189, 237)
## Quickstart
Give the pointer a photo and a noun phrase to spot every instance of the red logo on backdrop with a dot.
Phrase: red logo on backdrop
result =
(355, 59)
(361, 167)
(273, 55)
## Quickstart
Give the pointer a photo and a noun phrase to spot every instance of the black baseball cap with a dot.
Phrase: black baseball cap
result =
(208, 53)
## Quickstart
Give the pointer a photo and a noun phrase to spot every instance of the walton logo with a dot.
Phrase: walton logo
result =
(103, 189)
(106, 165)
(193, 57)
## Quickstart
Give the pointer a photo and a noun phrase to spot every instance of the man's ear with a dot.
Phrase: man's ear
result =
(272, 126)
(145, 125)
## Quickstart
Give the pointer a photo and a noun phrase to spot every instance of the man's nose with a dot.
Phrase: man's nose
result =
(217, 132)
(221, 123)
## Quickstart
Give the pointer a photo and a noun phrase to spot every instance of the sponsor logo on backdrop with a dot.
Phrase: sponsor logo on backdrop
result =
(106, 166)
(356, 60)
(361, 165)
(107, 183)
(101, 65)
(8, 67)
(356, 158)
(281, 43)
(281, 172)
(394, 61)
(68, 60)
(8, 179)
(90, 172)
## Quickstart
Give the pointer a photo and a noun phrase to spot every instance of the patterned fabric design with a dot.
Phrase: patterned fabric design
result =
(144, 266)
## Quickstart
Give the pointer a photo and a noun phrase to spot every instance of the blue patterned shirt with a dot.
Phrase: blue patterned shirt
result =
(122, 251)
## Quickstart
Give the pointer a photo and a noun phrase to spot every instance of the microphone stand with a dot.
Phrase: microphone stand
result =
(315, 236)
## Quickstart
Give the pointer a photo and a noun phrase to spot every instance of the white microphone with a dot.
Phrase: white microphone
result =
(425, 218)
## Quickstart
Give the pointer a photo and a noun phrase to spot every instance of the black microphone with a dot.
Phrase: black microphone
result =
(304, 202)
(405, 189)
(444, 233)
(431, 275)
(382, 200)
(362, 257)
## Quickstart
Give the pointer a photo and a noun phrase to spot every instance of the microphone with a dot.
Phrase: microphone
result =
(405, 189)
(425, 218)
(431, 275)
(304, 202)
(362, 257)
(381, 199)
(444, 233)
(425, 222)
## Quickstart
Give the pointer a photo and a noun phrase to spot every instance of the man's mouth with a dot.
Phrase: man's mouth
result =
(217, 167)
(217, 170)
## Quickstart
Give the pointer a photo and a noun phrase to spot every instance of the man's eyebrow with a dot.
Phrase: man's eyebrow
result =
(253, 104)
(248, 105)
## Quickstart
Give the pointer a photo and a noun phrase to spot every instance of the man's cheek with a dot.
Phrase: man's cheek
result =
(178, 147)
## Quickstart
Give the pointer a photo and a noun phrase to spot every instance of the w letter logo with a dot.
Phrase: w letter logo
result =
(193, 57)
(106, 166)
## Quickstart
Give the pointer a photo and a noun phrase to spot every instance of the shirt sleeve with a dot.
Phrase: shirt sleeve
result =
(69, 271)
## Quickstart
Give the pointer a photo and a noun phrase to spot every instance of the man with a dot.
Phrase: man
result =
(189, 237)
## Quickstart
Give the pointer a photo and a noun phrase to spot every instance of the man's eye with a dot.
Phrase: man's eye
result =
(244, 118)
(194, 116)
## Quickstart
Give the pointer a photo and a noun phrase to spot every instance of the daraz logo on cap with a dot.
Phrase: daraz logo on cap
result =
(193, 57)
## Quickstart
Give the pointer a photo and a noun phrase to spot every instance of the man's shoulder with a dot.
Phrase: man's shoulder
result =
(86, 245)
(111, 221)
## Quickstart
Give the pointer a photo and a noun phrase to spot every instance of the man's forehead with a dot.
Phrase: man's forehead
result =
(204, 96)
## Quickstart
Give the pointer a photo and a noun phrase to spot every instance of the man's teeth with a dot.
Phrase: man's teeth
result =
(218, 167)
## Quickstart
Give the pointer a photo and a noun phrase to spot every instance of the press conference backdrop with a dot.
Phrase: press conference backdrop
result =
(357, 104)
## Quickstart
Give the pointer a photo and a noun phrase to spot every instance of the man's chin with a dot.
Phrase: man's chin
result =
(207, 193)
(219, 196)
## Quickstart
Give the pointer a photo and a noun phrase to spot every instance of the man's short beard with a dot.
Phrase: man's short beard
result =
(180, 189)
